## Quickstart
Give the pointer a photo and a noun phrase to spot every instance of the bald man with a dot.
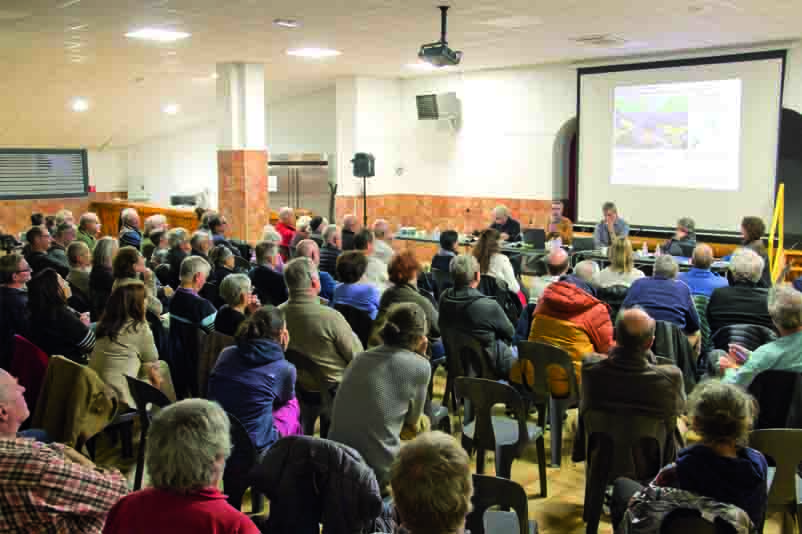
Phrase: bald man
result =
(700, 278)
(349, 230)
(557, 264)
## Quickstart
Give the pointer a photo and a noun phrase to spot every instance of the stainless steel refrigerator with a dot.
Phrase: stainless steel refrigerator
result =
(302, 181)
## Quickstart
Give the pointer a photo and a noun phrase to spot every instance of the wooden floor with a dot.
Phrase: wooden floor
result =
(559, 513)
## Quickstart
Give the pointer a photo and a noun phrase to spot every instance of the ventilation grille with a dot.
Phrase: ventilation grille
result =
(427, 107)
(602, 40)
(43, 173)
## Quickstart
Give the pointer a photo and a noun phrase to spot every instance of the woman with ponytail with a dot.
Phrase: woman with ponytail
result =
(383, 391)
(721, 466)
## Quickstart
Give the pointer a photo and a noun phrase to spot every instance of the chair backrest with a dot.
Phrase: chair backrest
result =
(467, 356)
(428, 295)
(626, 444)
(162, 272)
(442, 281)
(783, 450)
(700, 302)
(144, 394)
(213, 345)
(243, 451)
(774, 392)
(242, 265)
(749, 336)
(614, 296)
(687, 521)
(543, 357)
(211, 292)
(483, 394)
(360, 321)
(29, 366)
(491, 491)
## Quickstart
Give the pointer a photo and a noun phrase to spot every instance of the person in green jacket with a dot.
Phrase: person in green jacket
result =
(88, 228)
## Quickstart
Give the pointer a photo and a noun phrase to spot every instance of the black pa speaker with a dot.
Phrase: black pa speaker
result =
(364, 165)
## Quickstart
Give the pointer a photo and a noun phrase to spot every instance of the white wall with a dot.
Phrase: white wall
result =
(107, 169)
(306, 123)
(792, 90)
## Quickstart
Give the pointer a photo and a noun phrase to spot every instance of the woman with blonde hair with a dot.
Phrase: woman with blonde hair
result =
(621, 271)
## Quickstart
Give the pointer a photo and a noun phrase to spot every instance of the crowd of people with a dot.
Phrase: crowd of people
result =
(366, 324)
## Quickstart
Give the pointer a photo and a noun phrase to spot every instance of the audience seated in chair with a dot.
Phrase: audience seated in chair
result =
(752, 231)
(404, 270)
(381, 243)
(740, 366)
(448, 250)
(253, 382)
(189, 315)
(317, 331)
(187, 447)
(80, 259)
(700, 278)
(130, 235)
(355, 290)
(88, 228)
(467, 312)
(317, 226)
(14, 275)
(180, 247)
(744, 301)
(558, 263)
(101, 278)
(719, 468)
(129, 266)
(125, 343)
(161, 246)
(268, 283)
(350, 227)
(55, 327)
(223, 262)
(237, 293)
(301, 232)
(376, 269)
(201, 244)
(621, 270)
(218, 226)
(629, 379)
(39, 240)
(493, 263)
(568, 317)
(155, 224)
(683, 240)
(63, 236)
(331, 250)
(309, 249)
(664, 297)
(387, 387)
(48, 487)
(432, 485)
(286, 229)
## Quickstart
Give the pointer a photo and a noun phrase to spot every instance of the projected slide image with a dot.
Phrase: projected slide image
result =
(661, 122)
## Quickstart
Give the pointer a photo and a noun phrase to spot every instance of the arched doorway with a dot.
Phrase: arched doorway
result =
(564, 166)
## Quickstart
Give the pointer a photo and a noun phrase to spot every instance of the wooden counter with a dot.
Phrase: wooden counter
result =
(109, 214)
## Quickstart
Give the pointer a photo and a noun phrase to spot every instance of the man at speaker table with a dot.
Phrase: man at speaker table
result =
(684, 239)
(559, 226)
(509, 228)
(610, 227)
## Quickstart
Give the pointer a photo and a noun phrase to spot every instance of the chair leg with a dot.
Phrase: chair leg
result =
(235, 490)
(257, 501)
(91, 446)
(541, 466)
(127, 439)
(140, 461)
(504, 458)
(557, 409)
(325, 423)
(480, 461)
(309, 414)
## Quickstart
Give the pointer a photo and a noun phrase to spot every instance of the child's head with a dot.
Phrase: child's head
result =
(721, 413)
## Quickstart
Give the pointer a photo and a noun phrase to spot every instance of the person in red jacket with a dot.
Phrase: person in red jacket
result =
(286, 229)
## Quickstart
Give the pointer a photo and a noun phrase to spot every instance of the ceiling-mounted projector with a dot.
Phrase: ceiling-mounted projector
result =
(439, 54)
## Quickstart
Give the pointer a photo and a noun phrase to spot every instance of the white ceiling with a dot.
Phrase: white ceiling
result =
(128, 82)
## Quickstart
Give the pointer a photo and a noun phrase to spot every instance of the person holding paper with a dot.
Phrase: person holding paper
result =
(559, 226)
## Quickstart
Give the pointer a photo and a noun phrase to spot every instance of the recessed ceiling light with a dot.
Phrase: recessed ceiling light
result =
(157, 34)
(286, 23)
(79, 104)
(171, 109)
(421, 65)
(313, 52)
(214, 76)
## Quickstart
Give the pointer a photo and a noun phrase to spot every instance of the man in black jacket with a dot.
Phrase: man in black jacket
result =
(350, 228)
(464, 311)
(39, 240)
(743, 301)
(330, 250)
(14, 274)
(509, 228)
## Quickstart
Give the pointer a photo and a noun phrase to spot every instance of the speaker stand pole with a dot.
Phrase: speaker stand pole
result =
(364, 201)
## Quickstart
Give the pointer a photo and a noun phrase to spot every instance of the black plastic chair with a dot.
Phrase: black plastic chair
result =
(686, 521)
(144, 394)
(429, 296)
(614, 296)
(700, 302)
(465, 356)
(442, 281)
(242, 265)
(360, 321)
(494, 491)
(122, 425)
(617, 445)
(542, 357)
(436, 412)
(162, 272)
(749, 336)
(236, 476)
(782, 448)
(313, 404)
(505, 436)
(774, 392)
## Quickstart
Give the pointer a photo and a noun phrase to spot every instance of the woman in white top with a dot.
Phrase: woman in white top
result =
(492, 262)
(621, 271)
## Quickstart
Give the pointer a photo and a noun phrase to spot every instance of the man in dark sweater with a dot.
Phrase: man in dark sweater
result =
(744, 301)
(130, 235)
(464, 311)
(268, 283)
(330, 250)
(509, 228)
(14, 274)
(39, 240)
(350, 228)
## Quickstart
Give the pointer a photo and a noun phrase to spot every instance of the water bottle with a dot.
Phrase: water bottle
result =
(436, 233)
(645, 249)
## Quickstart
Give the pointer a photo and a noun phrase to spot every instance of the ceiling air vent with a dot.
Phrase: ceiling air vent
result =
(602, 40)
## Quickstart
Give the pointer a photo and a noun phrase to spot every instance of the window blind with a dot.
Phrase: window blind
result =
(43, 173)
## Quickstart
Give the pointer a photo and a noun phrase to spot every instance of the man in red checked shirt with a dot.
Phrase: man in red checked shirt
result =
(48, 488)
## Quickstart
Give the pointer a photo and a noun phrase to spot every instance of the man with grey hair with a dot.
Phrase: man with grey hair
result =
(610, 227)
(179, 248)
(741, 366)
(319, 332)
(188, 445)
(381, 237)
(309, 249)
(62, 237)
(201, 243)
(331, 250)
(465, 311)
(509, 228)
(236, 291)
(349, 230)
(744, 301)
(557, 264)
(129, 229)
(153, 224)
(88, 228)
(64, 216)
(286, 229)
(266, 277)
(665, 298)
(700, 278)
(48, 487)
(189, 315)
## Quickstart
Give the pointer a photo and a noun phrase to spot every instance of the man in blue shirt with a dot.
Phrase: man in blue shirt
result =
(784, 354)
(700, 278)
(610, 227)
(664, 297)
